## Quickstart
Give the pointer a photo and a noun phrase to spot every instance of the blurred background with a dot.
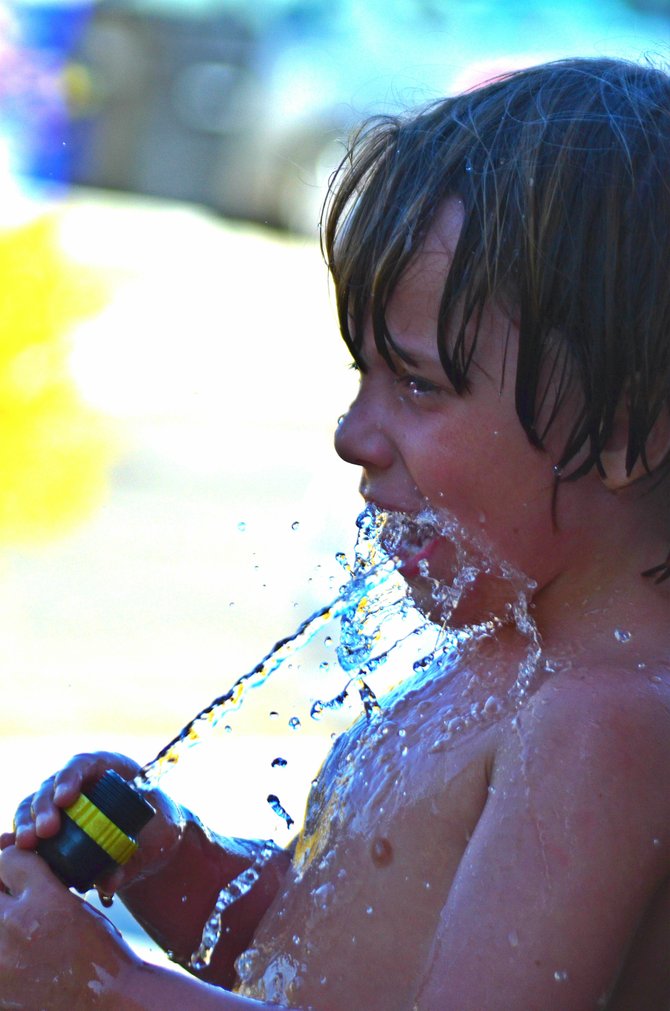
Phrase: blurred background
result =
(170, 371)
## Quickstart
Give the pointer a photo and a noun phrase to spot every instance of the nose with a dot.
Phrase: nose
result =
(362, 437)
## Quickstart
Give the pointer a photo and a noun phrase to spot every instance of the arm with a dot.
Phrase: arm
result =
(173, 909)
(56, 951)
(562, 864)
(171, 884)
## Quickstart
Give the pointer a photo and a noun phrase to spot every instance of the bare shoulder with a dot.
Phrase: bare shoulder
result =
(590, 754)
(600, 740)
(568, 854)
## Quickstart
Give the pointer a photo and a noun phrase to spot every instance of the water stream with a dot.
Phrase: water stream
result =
(377, 618)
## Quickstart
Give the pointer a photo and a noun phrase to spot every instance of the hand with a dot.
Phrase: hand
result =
(38, 816)
(56, 951)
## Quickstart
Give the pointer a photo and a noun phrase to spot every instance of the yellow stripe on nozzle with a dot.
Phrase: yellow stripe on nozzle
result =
(101, 830)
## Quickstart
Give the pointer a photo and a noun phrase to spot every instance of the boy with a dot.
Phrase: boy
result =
(501, 267)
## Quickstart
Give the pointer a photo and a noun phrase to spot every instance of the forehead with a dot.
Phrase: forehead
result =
(420, 287)
(437, 250)
(414, 308)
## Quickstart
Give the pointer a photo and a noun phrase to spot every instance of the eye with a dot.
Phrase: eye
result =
(416, 387)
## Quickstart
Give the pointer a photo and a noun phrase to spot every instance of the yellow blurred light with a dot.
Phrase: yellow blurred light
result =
(54, 451)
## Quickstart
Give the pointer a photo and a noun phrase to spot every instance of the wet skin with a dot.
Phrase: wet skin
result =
(523, 862)
(507, 866)
(438, 875)
(541, 870)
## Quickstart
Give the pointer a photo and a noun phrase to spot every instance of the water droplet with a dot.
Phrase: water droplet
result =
(241, 526)
(279, 763)
(513, 938)
(294, 723)
(295, 525)
(561, 976)
(328, 641)
(657, 843)
(324, 894)
(228, 729)
(381, 852)
(369, 911)
(244, 964)
(491, 707)
(273, 714)
(296, 939)
(276, 806)
(402, 732)
(621, 635)
(454, 725)
(404, 750)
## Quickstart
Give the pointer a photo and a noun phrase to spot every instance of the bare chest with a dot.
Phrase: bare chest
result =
(387, 823)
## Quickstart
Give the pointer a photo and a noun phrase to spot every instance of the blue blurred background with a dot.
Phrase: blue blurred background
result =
(170, 371)
(242, 106)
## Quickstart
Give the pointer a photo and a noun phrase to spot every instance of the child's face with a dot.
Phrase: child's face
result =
(419, 443)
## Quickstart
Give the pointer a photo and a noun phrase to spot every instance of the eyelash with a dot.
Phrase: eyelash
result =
(416, 386)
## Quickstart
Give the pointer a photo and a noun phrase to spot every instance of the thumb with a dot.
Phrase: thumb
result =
(22, 869)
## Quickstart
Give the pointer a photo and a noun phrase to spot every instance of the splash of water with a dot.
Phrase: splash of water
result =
(373, 601)
(372, 568)
(234, 890)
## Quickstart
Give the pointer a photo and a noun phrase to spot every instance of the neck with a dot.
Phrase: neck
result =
(602, 602)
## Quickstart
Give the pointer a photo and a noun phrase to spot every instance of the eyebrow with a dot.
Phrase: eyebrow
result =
(396, 350)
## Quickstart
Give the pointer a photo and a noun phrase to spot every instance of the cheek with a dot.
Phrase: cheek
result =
(459, 473)
(497, 491)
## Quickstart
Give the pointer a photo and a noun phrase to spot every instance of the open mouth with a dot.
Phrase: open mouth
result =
(412, 541)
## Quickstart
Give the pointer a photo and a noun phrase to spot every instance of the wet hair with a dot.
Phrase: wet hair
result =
(564, 174)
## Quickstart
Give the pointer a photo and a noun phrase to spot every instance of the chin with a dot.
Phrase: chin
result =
(481, 600)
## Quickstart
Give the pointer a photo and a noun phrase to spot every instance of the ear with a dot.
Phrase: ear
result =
(613, 457)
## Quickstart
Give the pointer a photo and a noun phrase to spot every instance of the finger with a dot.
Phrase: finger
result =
(24, 825)
(7, 839)
(86, 768)
(39, 816)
